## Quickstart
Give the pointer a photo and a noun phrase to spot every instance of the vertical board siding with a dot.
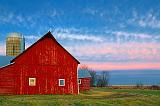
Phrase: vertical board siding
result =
(8, 80)
(85, 84)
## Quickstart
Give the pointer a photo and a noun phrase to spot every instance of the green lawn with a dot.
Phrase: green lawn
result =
(94, 97)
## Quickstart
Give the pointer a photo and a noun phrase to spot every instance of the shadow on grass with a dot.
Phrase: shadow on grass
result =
(122, 95)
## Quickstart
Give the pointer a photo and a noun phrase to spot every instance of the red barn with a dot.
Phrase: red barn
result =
(84, 79)
(43, 68)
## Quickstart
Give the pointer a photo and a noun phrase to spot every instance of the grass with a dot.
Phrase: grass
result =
(94, 97)
(135, 91)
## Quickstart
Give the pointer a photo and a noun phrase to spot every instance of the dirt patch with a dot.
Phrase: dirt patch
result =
(98, 93)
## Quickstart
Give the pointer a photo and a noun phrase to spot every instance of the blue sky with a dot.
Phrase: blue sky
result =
(100, 33)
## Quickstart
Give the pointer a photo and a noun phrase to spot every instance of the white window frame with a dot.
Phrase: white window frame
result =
(34, 82)
(79, 81)
(60, 81)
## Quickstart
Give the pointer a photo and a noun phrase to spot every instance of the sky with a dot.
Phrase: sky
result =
(103, 34)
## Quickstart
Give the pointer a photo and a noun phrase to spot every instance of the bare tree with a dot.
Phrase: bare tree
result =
(93, 77)
(103, 79)
(84, 67)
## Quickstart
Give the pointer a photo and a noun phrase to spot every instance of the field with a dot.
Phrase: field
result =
(94, 97)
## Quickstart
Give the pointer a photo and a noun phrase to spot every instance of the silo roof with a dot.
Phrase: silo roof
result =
(15, 34)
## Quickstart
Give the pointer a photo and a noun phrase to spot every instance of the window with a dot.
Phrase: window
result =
(61, 82)
(79, 81)
(32, 81)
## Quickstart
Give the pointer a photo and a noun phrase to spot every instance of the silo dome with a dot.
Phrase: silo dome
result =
(14, 34)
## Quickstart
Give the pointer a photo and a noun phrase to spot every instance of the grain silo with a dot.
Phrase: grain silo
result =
(15, 44)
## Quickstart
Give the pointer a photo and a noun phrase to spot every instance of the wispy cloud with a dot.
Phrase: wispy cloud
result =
(2, 49)
(91, 11)
(79, 37)
(75, 34)
(27, 21)
(31, 37)
(122, 66)
(131, 34)
(150, 20)
(124, 52)
(11, 18)
(67, 34)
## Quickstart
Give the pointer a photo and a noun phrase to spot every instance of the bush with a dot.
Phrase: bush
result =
(139, 85)
(155, 87)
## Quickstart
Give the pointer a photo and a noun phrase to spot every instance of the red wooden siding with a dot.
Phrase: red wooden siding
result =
(85, 84)
(8, 78)
(48, 62)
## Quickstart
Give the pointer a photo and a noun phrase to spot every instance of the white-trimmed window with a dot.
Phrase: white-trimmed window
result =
(61, 82)
(32, 81)
(79, 81)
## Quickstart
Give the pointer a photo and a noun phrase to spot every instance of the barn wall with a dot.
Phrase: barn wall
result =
(9, 78)
(85, 84)
(47, 79)
(47, 62)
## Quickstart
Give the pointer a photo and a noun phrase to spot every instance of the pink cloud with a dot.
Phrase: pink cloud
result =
(2, 49)
(132, 50)
(122, 66)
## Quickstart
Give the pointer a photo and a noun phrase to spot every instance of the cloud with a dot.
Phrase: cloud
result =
(95, 36)
(75, 34)
(11, 18)
(79, 37)
(28, 45)
(90, 11)
(31, 37)
(97, 12)
(124, 52)
(122, 66)
(2, 49)
(150, 20)
(126, 36)
(130, 34)
(66, 34)
(28, 20)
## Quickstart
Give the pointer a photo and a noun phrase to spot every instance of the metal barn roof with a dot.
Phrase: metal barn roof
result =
(5, 60)
(83, 74)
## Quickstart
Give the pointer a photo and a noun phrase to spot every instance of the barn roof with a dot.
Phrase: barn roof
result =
(83, 74)
(49, 35)
(5, 60)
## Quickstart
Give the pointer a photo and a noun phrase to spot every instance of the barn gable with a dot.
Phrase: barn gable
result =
(51, 38)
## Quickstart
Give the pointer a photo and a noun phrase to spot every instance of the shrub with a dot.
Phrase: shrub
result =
(155, 87)
(139, 85)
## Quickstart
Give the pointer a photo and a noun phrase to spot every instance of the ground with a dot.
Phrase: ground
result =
(94, 97)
